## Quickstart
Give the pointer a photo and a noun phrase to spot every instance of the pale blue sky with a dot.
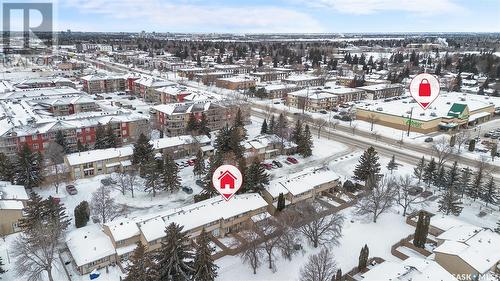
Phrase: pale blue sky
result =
(282, 16)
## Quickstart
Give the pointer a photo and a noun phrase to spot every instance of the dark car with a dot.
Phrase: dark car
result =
(487, 135)
(429, 139)
(187, 189)
(200, 183)
(108, 181)
(277, 163)
(292, 160)
(71, 189)
(323, 112)
(131, 98)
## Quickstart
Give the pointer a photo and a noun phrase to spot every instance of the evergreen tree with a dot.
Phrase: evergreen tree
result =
(139, 265)
(297, 132)
(475, 188)
(422, 229)
(80, 147)
(216, 160)
(61, 140)
(6, 171)
(363, 258)
(255, 177)
(143, 153)
(153, 176)
(82, 214)
(497, 229)
(489, 194)
(263, 128)
(170, 177)
(222, 141)
(281, 202)
(28, 167)
(305, 144)
(111, 139)
(464, 181)
(238, 120)
(338, 276)
(272, 126)
(32, 213)
(281, 127)
(2, 271)
(199, 165)
(175, 256)
(440, 180)
(472, 145)
(430, 172)
(192, 124)
(235, 139)
(452, 177)
(418, 171)
(392, 165)
(368, 165)
(55, 214)
(203, 125)
(100, 137)
(204, 267)
(449, 203)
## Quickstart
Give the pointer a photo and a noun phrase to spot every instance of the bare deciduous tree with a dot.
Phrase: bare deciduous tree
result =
(372, 118)
(377, 200)
(319, 267)
(353, 128)
(442, 150)
(461, 138)
(103, 205)
(288, 238)
(319, 229)
(253, 252)
(269, 228)
(405, 197)
(126, 181)
(55, 158)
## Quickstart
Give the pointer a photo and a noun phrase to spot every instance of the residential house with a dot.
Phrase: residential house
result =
(12, 201)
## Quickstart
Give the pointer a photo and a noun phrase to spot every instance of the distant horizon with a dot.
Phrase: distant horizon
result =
(275, 16)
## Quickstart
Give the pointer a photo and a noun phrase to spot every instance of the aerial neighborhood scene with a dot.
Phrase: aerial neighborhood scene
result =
(287, 140)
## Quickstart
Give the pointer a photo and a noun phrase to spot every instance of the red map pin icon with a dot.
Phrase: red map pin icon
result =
(424, 88)
(227, 179)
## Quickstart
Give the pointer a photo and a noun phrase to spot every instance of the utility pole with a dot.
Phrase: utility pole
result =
(409, 122)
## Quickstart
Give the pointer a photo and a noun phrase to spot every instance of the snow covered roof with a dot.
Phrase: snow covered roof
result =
(382, 86)
(237, 79)
(295, 78)
(301, 182)
(411, 269)
(187, 107)
(11, 205)
(9, 191)
(99, 155)
(122, 229)
(478, 249)
(200, 214)
(88, 244)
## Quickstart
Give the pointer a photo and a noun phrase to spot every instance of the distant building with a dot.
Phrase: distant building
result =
(382, 91)
(305, 80)
(172, 119)
(96, 84)
(323, 98)
(236, 83)
(269, 75)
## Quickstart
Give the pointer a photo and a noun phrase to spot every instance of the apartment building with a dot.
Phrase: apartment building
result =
(68, 105)
(12, 201)
(300, 186)
(146, 88)
(44, 82)
(172, 119)
(278, 91)
(233, 68)
(305, 80)
(382, 91)
(267, 76)
(236, 83)
(106, 161)
(95, 246)
(323, 98)
(102, 83)
(210, 78)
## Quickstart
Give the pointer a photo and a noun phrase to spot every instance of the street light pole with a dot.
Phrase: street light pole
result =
(409, 122)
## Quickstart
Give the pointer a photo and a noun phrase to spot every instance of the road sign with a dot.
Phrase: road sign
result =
(227, 179)
(424, 88)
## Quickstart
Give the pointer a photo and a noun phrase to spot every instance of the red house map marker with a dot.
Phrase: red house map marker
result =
(227, 179)
(424, 88)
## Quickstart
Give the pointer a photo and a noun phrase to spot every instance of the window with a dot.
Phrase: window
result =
(35, 146)
(88, 138)
(22, 139)
(34, 137)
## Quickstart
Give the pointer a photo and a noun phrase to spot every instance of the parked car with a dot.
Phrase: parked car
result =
(323, 112)
(191, 162)
(267, 166)
(292, 160)
(187, 189)
(56, 200)
(277, 163)
(108, 181)
(71, 189)
(487, 135)
(200, 183)
(131, 98)
(429, 139)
